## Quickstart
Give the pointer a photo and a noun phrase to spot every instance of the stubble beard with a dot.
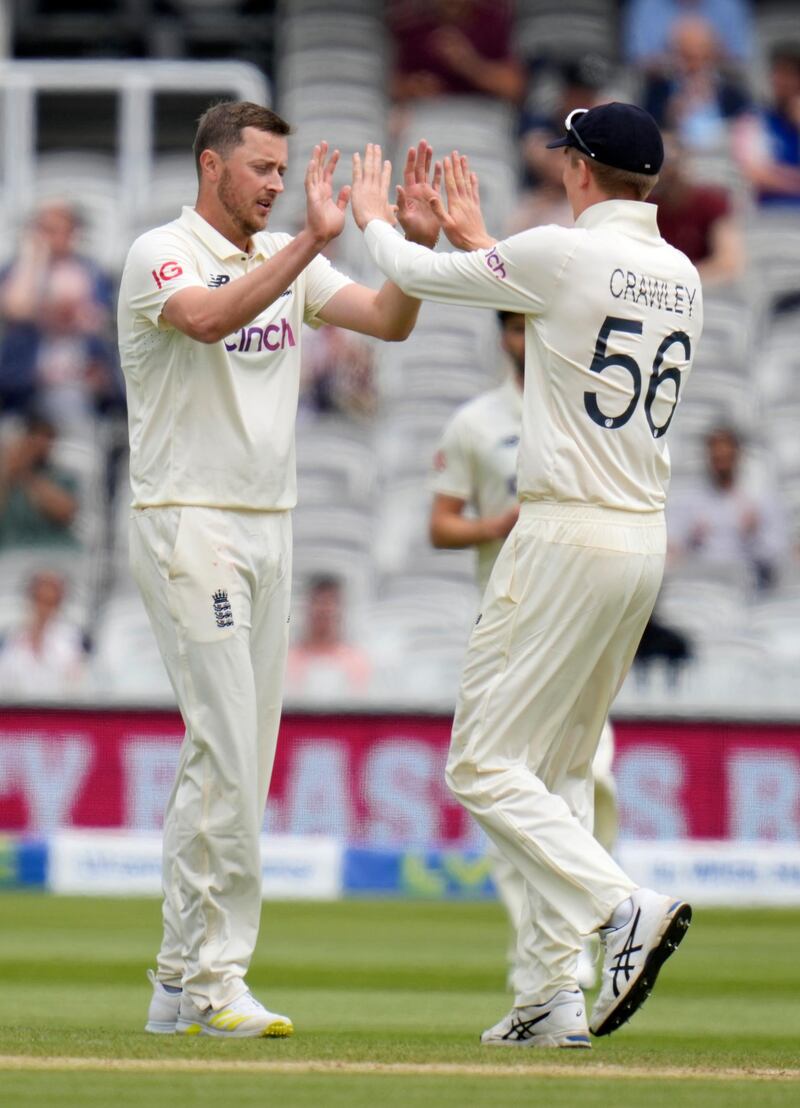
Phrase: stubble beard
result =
(235, 211)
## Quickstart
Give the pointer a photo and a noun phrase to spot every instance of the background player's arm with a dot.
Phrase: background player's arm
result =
(208, 315)
(386, 313)
(450, 530)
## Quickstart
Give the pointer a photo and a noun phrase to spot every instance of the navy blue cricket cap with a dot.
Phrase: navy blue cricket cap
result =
(619, 135)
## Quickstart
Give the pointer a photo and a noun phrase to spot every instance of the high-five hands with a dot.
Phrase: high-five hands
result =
(370, 191)
(462, 220)
(324, 215)
(420, 209)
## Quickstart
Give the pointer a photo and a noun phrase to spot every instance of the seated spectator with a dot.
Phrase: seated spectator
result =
(768, 143)
(57, 308)
(694, 97)
(322, 666)
(44, 657)
(451, 47)
(648, 25)
(38, 500)
(698, 219)
(724, 524)
(543, 199)
(337, 374)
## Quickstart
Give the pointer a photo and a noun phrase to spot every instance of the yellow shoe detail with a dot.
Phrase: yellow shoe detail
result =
(278, 1030)
(225, 1021)
(192, 1029)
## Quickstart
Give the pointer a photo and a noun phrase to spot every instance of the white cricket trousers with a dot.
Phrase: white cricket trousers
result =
(510, 883)
(562, 616)
(216, 585)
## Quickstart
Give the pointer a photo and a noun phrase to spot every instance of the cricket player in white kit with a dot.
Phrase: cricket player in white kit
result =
(210, 317)
(475, 503)
(613, 317)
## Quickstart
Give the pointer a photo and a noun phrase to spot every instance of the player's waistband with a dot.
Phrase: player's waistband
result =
(592, 525)
(593, 513)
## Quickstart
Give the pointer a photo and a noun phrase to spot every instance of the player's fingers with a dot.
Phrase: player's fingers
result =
(311, 168)
(409, 170)
(419, 174)
(329, 169)
(458, 172)
(343, 198)
(439, 210)
(437, 177)
(426, 172)
(358, 169)
(374, 152)
(476, 189)
(449, 179)
(386, 177)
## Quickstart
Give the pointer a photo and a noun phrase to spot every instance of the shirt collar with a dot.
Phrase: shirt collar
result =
(633, 217)
(216, 242)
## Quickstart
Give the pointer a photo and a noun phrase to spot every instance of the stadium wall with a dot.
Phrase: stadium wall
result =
(359, 806)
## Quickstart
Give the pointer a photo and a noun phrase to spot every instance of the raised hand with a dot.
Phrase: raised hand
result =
(370, 192)
(414, 212)
(324, 215)
(462, 220)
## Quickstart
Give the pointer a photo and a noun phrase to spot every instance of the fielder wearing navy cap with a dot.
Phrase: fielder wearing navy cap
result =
(618, 135)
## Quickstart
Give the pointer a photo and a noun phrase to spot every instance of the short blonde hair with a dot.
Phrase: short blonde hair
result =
(617, 183)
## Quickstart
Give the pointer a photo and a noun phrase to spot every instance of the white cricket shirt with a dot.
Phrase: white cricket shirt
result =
(477, 461)
(213, 423)
(613, 317)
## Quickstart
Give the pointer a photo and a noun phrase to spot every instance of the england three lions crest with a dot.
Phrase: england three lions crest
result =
(222, 609)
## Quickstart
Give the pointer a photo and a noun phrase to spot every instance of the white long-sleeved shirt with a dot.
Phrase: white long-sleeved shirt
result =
(613, 317)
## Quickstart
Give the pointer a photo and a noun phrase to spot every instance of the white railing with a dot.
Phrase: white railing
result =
(136, 83)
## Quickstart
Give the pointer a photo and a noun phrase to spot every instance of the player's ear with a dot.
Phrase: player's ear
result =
(211, 165)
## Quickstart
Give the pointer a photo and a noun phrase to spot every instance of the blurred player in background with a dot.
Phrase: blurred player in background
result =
(210, 316)
(475, 472)
(613, 316)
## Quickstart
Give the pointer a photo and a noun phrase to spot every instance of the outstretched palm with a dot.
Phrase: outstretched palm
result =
(415, 213)
(324, 214)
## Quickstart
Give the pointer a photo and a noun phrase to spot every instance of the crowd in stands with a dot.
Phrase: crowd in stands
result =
(730, 110)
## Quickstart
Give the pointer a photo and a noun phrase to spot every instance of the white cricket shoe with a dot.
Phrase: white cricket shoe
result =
(241, 1019)
(163, 1013)
(561, 1022)
(586, 972)
(634, 954)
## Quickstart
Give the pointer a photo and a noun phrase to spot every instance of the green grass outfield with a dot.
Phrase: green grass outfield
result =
(388, 1000)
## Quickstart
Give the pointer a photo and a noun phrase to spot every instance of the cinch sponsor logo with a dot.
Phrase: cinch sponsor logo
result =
(496, 264)
(255, 339)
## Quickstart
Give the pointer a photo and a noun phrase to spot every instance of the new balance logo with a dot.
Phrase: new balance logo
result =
(222, 609)
(217, 279)
(623, 963)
